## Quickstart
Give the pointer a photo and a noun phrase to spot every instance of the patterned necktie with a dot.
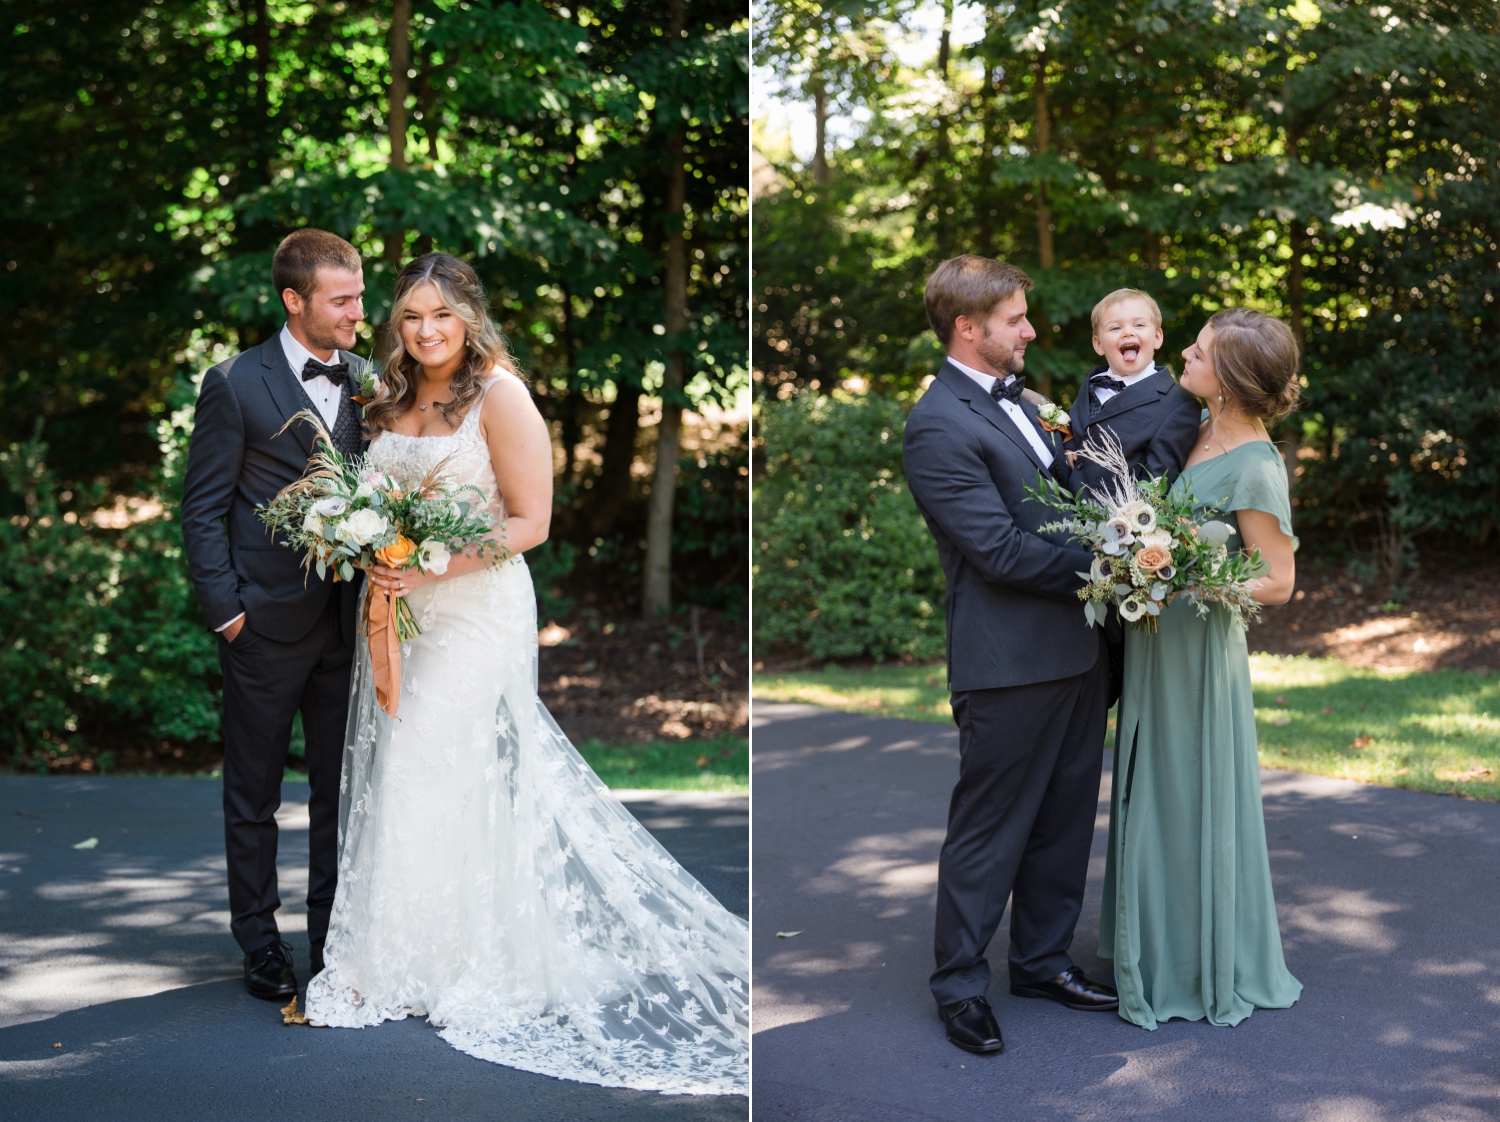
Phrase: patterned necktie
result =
(338, 373)
(1104, 382)
(1010, 391)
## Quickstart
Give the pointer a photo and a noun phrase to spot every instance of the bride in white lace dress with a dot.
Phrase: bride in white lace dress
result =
(487, 878)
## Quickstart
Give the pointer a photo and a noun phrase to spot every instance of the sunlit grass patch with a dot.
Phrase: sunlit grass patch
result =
(914, 692)
(721, 764)
(1437, 731)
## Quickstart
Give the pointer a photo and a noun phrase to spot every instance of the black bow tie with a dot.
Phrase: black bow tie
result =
(338, 373)
(1010, 391)
(1104, 382)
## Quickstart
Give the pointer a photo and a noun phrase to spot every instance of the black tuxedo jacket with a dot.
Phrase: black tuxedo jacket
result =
(1013, 614)
(236, 462)
(1155, 421)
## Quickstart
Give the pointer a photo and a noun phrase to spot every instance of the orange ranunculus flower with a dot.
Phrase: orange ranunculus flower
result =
(1152, 558)
(398, 553)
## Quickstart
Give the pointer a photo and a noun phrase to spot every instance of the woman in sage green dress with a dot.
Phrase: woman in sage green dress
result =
(1188, 914)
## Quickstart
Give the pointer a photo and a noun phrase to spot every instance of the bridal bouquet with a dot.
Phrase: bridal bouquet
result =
(1149, 545)
(347, 518)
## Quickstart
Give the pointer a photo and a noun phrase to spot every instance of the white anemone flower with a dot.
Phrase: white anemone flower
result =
(1117, 530)
(1132, 609)
(330, 507)
(1139, 516)
(435, 556)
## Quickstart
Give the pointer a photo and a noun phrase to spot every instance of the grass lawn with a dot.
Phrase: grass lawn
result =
(720, 764)
(1430, 732)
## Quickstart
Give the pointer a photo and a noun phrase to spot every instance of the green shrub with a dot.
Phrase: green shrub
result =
(844, 566)
(101, 642)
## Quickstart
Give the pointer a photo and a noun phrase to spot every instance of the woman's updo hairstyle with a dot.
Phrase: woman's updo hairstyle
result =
(1256, 359)
(484, 348)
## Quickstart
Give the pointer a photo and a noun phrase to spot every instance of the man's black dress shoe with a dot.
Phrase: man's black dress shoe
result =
(268, 972)
(1072, 989)
(315, 958)
(972, 1026)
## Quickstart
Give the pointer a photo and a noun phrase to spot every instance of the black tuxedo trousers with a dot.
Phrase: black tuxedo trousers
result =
(266, 683)
(1020, 824)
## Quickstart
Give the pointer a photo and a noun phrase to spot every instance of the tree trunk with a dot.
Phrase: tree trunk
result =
(984, 196)
(612, 486)
(395, 118)
(656, 599)
(1297, 239)
(1045, 254)
(820, 118)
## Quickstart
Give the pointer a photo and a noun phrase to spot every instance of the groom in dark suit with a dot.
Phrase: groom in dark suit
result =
(286, 637)
(1027, 675)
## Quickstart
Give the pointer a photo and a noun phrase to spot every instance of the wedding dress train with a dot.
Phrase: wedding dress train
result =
(488, 879)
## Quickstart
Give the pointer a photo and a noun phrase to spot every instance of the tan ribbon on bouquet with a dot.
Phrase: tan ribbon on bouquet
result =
(385, 647)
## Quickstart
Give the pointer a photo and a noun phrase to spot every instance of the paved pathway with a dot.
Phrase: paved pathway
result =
(122, 955)
(1390, 914)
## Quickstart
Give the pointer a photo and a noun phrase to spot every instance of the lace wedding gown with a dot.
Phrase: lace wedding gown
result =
(488, 879)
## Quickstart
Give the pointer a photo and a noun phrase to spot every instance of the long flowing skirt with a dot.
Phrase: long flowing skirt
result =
(1188, 913)
(488, 879)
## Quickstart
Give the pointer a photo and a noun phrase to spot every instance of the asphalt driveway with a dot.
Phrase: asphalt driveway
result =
(1390, 916)
(121, 997)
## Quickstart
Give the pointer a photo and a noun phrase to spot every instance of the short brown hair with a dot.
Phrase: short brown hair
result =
(969, 286)
(1256, 359)
(301, 253)
(1119, 296)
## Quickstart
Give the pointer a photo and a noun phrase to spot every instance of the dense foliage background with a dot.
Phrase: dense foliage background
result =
(1331, 163)
(158, 151)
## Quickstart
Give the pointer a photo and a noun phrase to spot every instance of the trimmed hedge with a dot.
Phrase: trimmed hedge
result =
(844, 566)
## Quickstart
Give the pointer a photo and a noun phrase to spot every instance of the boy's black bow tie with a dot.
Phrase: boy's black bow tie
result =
(1010, 391)
(338, 373)
(1105, 382)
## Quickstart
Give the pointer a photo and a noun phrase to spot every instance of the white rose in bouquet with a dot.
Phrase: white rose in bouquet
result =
(362, 527)
(1157, 537)
(435, 556)
(313, 524)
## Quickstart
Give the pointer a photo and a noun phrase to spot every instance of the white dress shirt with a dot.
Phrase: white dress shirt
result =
(1102, 395)
(323, 393)
(987, 382)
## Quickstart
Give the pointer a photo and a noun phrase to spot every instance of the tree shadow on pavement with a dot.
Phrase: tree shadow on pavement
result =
(1388, 901)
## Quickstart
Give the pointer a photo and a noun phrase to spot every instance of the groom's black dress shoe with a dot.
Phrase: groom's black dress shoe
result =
(972, 1026)
(1072, 989)
(268, 972)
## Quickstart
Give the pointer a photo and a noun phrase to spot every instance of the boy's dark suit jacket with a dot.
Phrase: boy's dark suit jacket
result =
(1155, 421)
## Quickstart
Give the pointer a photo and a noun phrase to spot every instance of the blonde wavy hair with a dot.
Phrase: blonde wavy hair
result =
(484, 347)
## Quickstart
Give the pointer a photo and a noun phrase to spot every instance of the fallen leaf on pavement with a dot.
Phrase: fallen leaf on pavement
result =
(87, 843)
(290, 1016)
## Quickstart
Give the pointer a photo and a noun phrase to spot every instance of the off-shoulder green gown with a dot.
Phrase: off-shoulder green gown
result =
(1188, 914)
